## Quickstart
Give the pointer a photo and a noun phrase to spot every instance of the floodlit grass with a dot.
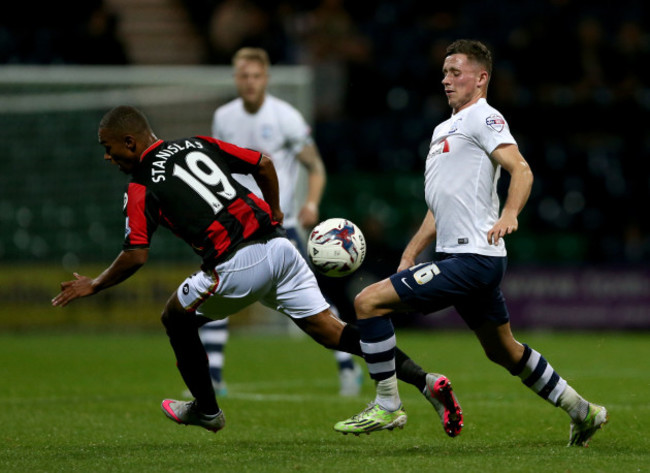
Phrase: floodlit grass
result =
(90, 403)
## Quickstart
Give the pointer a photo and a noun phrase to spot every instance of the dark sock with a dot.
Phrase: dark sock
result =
(349, 341)
(346, 364)
(409, 371)
(192, 363)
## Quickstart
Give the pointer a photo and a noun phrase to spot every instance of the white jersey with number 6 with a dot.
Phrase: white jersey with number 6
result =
(461, 179)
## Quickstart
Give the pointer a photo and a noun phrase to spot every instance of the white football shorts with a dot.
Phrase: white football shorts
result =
(271, 272)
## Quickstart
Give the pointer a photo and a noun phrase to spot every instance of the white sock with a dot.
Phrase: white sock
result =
(387, 394)
(574, 404)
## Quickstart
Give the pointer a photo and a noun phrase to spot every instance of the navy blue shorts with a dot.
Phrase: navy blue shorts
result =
(470, 283)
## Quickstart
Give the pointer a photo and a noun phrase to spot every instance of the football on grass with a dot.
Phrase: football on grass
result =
(336, 247)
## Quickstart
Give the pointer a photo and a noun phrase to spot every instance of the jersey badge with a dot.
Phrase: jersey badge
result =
(496, 122)
(454, 126)
(267, 132)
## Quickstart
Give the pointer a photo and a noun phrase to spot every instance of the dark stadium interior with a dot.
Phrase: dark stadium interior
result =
(82, 384)
(571, 79)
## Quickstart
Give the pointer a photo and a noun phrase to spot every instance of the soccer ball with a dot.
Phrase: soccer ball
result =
(336, 247)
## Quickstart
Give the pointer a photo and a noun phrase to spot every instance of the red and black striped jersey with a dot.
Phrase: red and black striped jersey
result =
(187, 186)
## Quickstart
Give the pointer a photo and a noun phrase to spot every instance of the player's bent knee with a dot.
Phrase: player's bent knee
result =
(167, 318)
(173, 313)
(365, 303)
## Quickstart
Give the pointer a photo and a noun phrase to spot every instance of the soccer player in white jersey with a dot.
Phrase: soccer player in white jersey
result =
(465, 157)
(261, 121)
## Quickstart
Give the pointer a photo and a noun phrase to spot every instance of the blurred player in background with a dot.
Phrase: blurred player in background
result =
(465, 157)
(187, 185)
(258, 120)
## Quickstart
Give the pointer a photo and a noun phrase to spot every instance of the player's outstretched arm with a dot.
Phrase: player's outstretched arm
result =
(425, 235)
(310, 157)
(126, 263)
(521, 182)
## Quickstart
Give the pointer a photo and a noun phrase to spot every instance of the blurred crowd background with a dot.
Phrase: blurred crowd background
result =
(571, 77)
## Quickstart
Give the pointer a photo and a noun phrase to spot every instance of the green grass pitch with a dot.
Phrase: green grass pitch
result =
(89, 402)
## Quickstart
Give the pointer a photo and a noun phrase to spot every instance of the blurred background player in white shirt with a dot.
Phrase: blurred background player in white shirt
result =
(260, 121)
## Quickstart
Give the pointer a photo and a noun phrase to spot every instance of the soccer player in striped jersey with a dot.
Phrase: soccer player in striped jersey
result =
(465, 157)
(187, 186)
(258, 120)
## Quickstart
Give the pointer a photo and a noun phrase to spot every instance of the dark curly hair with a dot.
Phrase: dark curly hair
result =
(125, 119)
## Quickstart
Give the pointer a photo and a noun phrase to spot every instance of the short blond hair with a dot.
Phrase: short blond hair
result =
(252, 54)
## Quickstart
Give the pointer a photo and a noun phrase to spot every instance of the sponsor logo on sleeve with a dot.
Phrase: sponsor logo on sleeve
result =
(496, 122)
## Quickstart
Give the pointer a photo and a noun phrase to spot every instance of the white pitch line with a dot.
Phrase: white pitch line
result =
(281, 397)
